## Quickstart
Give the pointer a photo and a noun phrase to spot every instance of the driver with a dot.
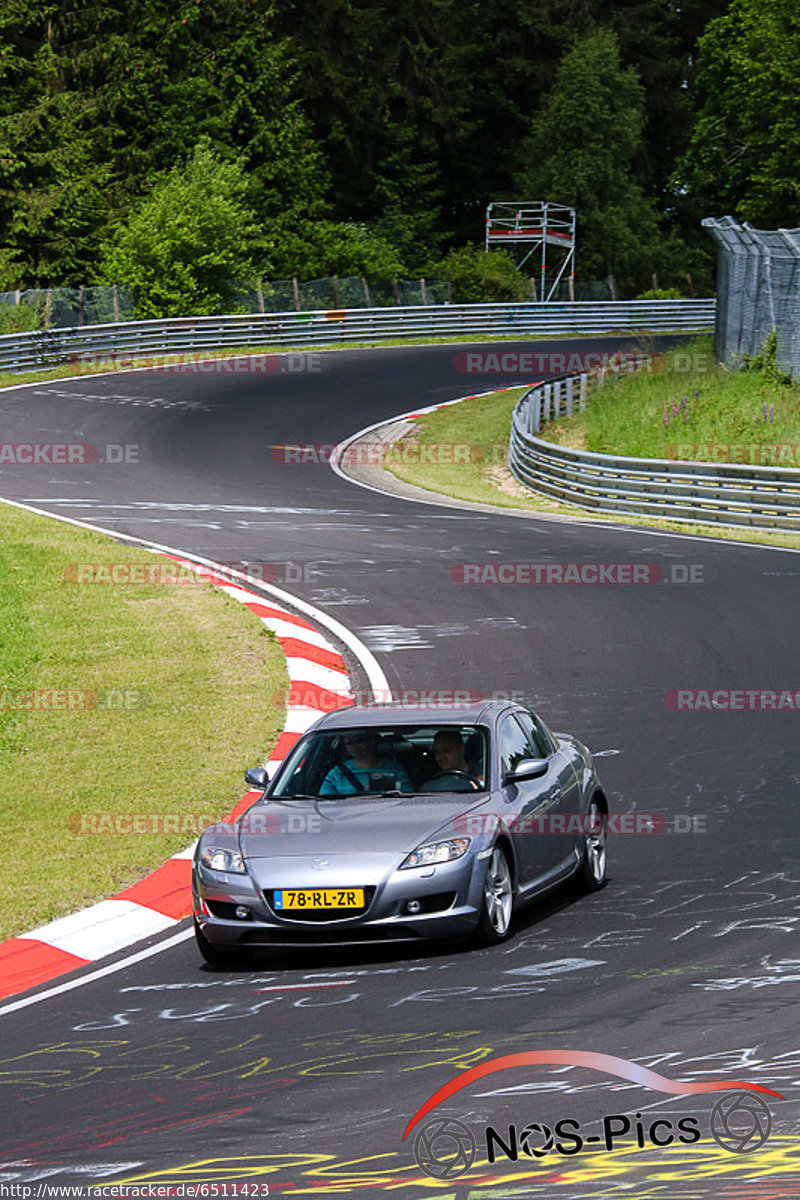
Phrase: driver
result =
(450, 755)
(356, 775)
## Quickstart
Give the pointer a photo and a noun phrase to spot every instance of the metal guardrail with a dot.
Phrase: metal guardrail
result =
(698, 492)
(190, 335)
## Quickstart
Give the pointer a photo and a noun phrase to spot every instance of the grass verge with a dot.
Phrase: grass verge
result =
(476, 433)
(170, 694)
(713, 413)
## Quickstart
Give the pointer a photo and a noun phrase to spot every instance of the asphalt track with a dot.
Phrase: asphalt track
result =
(304, 1071)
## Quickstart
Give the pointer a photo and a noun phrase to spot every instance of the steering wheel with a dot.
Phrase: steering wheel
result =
(457, 775)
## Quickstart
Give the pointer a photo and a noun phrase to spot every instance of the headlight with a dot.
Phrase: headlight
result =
(217, 858)
(437, 852)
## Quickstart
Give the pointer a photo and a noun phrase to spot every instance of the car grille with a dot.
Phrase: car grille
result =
(319, 915)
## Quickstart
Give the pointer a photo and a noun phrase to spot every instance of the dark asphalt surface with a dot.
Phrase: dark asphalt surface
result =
(303, 1072)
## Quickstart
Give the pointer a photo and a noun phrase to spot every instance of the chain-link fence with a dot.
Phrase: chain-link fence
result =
(758, 285)
(336, 292)
(61, 308)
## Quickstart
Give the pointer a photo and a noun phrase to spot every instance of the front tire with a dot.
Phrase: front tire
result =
(216, 956)
(592, 872)
(497, 902)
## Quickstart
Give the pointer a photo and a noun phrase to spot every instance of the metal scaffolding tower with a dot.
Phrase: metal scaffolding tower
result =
(535, 224)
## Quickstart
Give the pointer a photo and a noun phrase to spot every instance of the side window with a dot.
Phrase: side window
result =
(513, 744)
(536, 735)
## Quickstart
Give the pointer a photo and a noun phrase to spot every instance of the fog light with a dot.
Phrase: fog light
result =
(241, 912)
(413, 906)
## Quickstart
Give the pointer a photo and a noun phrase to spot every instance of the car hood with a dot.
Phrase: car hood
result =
(368, 824)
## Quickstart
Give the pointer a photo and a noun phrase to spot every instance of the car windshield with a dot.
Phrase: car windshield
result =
(386, 760)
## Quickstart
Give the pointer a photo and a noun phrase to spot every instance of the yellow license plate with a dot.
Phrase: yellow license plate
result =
(306, 898)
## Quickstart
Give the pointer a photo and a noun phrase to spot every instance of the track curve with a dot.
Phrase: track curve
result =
(304, 1072)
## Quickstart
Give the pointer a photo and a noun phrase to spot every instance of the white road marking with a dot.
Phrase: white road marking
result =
(167, 944)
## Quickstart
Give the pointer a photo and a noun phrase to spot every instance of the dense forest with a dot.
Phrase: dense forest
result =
(180, 145)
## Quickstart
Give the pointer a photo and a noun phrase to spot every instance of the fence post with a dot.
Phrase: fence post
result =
(548, 391)
(583, 391)
(260, 298)
(557, 400)
(396, 293)
(115, 298)
(367, 298)
(48, 308)
(449, 292)
(570, 383)
(296, 291)
(17, 296)
(80, 305)
(335, 279)
(534, 410)
(423, 291)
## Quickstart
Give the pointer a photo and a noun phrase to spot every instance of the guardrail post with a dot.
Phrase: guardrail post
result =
(583, 391)
(535, 411)
(548, 391)
(570, 383)
(556, 400)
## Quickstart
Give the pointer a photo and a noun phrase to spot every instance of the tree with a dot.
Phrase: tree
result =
(745, 146)
(317, 248)
(98, 98)
(190, 242)
(580, 152)
(480, 277)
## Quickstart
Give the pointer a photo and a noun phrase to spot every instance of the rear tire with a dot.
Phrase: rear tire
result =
(591, 874)
(494, 923)
(217, 956)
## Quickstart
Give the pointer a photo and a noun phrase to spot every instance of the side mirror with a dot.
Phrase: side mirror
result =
(527, 768)
(257, 777)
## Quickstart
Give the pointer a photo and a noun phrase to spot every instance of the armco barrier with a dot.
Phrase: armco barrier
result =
(140, 339)
(698, 492)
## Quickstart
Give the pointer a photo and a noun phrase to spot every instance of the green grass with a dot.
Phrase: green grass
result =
(195, 676)
(725, 408)
(485, 422)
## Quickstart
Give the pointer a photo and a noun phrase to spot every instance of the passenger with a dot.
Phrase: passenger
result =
(366, 771)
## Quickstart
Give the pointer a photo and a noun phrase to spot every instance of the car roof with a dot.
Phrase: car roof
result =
(366, 715)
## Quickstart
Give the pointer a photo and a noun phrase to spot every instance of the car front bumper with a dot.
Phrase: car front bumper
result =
(449, 897)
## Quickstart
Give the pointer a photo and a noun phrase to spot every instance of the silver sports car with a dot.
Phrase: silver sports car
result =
(388, 823)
